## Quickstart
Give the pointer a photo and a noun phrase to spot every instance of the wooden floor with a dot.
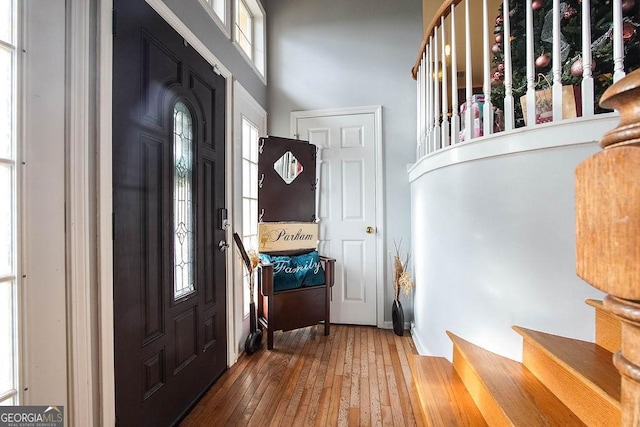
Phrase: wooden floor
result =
(356, 376)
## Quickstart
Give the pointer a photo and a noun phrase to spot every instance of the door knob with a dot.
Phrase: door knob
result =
(223, 245)
(370, 230)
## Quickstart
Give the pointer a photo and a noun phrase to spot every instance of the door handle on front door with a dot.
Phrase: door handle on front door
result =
(370, 230)
(223, 245)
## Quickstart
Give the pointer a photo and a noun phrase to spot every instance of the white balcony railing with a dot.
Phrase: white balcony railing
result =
(517, 63)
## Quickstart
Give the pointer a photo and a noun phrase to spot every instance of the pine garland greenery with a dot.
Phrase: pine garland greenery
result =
(571, 30)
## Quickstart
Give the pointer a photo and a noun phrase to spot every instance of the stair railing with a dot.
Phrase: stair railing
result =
(608, 231)
(437, 73)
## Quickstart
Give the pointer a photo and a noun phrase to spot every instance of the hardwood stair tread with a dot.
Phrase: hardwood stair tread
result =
(608, 326)
(506, 392)
(595, 303)
(583, 358)
(444, 400)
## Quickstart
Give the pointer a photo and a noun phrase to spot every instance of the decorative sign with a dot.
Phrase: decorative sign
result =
(287, 236)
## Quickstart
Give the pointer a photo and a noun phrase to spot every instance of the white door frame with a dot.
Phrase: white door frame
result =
(104, 187)
(376, 110)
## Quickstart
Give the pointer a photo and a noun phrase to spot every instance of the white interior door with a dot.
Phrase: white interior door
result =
(347, 209)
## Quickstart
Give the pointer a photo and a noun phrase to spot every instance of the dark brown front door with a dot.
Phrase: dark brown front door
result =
(168, 190)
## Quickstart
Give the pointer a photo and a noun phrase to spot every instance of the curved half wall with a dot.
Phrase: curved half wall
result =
(494, 238)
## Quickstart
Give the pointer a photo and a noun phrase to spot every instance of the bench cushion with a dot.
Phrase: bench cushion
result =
(291, 272)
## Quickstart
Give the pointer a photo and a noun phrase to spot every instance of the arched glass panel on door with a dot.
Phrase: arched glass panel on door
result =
(183, 221)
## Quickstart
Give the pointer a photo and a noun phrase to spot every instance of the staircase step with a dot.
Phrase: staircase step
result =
(505, 391)
(580, 373)
(444, 400)
(608, 327)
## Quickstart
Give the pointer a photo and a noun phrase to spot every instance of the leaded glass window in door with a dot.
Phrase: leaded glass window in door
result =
(183, 221)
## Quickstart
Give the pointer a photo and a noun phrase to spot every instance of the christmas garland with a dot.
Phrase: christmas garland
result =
(570, 46)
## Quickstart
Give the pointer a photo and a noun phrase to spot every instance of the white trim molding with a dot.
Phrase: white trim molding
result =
(376, 110)
(79, 237)
(585, 130)
(104, 187)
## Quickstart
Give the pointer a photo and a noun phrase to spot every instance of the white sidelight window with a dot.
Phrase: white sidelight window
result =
(249, 194)
(8, 207)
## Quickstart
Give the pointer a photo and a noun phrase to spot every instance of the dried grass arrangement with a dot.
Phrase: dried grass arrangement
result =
(402, 280)
(254, 260)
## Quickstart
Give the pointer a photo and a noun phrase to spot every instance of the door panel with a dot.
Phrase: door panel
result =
(168, 350)
(347, 206)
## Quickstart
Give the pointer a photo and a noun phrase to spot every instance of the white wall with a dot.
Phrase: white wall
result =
(494, 247)
(336, 53)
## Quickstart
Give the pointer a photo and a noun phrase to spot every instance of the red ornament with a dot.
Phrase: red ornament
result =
(571, 11)
(501, 68)
(577, 67)
(536, 4)
(498, 38)
(495, 48)
(628, 5)
(499, 20)
(628, 30)
(542, 61)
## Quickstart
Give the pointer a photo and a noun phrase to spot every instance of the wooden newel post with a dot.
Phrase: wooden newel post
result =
(608, 231)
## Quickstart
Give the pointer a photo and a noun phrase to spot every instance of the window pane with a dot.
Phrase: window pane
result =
(244, 44)
(246, 183)
(254, 144)
(253, 180)
(253, 217)
(6, 221)
(246, 131)
(6, 101)
(183, 201)
(244, 24)
(6, 337)
(6, 21)
(9, 402)
(244, 19)
(219, 7)
(246, 219)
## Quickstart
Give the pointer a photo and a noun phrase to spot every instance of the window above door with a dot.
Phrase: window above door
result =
(249, 32)
(220, 12)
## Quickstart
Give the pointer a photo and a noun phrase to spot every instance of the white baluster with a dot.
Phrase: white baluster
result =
(444, 140)
(508, 79)
(424, 102)
(468, 125)
(430, 95)
(557, 64)
(488, 108)
(436, 96)
(587, 60)
(531, 91)
(418, 111)
(422, 114)
(455, 117)
(618, 44)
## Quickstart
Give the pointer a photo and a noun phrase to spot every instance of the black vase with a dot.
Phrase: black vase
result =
(254, 339)
(397, 315)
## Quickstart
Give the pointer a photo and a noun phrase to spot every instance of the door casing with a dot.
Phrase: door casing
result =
(376, 110)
